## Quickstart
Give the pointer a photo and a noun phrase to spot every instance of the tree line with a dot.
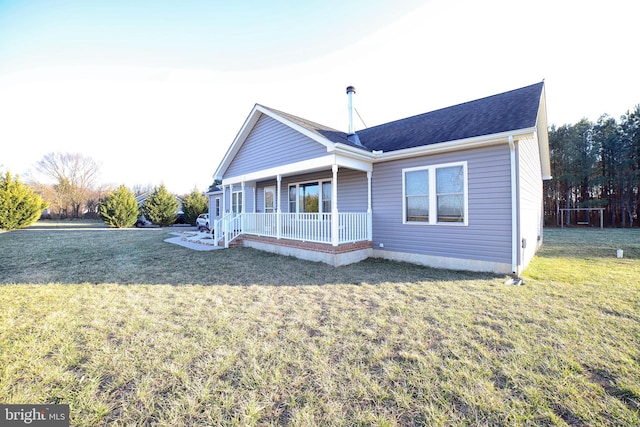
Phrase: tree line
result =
(595, 165)
(73, 192)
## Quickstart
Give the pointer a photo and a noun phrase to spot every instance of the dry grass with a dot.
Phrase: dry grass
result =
(130, 330)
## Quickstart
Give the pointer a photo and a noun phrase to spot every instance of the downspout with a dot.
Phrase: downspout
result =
(514, 207)
(369, 211)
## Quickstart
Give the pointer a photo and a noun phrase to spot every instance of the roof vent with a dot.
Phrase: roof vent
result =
(352, 133)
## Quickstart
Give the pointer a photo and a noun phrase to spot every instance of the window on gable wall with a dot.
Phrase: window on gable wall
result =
(435, 194)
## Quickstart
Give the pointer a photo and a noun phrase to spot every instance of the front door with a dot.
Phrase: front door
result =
(270, 199)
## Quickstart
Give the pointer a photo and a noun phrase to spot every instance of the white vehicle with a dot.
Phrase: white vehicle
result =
(202, 221)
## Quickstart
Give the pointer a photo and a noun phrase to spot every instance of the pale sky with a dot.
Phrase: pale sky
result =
(157, 90)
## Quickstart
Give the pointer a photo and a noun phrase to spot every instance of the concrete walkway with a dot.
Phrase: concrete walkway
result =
(194, 240)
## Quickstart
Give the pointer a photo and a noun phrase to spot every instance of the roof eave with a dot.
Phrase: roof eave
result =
(456, 145)
(543, 137)
(360, 153)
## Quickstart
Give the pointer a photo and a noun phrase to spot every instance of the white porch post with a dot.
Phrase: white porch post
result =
(335, 221)
(244, 200)
(369, 211)
(242, 206)
(278, 225)
(226, 223)
(224, 203)
(220, 232)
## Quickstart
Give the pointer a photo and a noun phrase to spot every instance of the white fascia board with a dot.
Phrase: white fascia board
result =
(457, 145)
(304, 166)
(354, 163)
(543, 138)
(354, 152)
(354, 158)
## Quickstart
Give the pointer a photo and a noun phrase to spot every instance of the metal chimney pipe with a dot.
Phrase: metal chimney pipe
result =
(350, 91)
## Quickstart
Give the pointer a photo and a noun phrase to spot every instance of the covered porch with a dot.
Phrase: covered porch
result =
(350, 227)
(299, 202)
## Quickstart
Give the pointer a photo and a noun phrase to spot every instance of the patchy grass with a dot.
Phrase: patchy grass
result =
(129, 330)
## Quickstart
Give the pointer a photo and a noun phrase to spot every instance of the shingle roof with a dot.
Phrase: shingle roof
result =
(331, 134)
(513, 110)
(508, 111)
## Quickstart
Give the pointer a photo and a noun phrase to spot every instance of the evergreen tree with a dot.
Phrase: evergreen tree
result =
(596, 165)
(161, 207)
(193, 205)
(119, 209)
(629, 172)
(19, 205)
(606, 136)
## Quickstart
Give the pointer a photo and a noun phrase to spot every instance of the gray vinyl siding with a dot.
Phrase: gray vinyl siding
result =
(529, 198)
(488, 234)
(271, 144)
(352, 189)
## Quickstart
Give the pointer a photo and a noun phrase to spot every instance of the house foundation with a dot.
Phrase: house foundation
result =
(344, 254)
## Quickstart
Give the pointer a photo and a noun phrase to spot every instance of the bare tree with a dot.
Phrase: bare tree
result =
(74, 177)
(139, 189)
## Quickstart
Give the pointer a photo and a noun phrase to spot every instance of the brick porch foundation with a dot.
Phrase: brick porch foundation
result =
(343, 254)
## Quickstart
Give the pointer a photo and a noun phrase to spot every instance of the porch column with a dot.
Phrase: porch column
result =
(226, 223)
(335, 221)
(369, 211)
(224, 203)
(242, 206)
(278, 225)
(244, 199)
(221, 231)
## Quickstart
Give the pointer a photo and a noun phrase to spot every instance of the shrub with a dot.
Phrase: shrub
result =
(119, 209)
(19, 205)
(161, 207)
(193, 205)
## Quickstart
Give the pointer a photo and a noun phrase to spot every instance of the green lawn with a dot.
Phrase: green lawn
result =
(129, 330)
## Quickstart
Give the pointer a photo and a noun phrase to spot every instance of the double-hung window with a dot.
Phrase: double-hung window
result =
(435, 194)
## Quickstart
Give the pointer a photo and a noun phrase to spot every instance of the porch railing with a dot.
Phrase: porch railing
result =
(226, 229)
(307, 227)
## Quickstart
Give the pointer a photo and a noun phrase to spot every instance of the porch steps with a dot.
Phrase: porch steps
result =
(235, 243)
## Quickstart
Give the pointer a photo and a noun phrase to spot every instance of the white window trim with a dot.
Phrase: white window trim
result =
(298, 184)
(433, 199)
(217, 207)
(275, 198)
(235, 193)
